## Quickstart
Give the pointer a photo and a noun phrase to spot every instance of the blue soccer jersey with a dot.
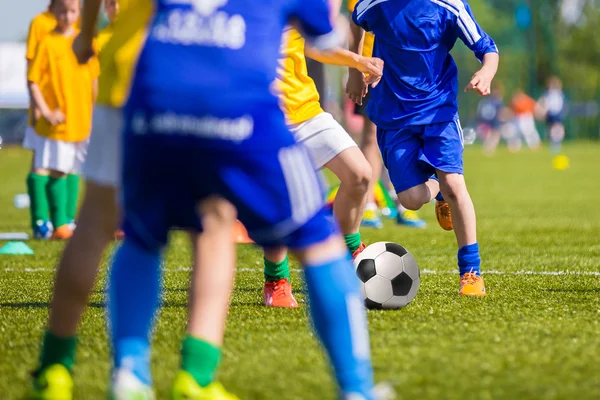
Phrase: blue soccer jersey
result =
(204, 73)
(414, 38)
(201, 120)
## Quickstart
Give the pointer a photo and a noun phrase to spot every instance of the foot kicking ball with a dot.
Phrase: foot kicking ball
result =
(389, 276)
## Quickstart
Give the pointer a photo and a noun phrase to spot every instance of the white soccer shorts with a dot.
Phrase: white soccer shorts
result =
(56, 155)
(103, 164)
(324, 137)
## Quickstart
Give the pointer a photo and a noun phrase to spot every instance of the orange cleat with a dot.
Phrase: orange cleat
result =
(63, 232)
(279, 294)
(359, 250)
(444, 215)
(471, 284)
(240, 234)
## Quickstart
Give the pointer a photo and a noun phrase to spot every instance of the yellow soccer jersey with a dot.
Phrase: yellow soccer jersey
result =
(103, 37)
(297, 91)
(65, 85)
(120, 53)
(41, 25)
(367, 50)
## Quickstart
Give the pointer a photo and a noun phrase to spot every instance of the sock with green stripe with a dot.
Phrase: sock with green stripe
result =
(57, 197)
(72, 196)
(200, 359)
(57, 350)
(353, 241)
(36, 189)
(275, 271)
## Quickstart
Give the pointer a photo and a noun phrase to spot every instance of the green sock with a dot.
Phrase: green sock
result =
(275, 271)
(352, 241)
(36, 188)
(57, 350)
(57, 197)
(200, 359)
(72, 195)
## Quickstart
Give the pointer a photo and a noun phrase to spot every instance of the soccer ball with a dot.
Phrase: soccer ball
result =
(389, 276)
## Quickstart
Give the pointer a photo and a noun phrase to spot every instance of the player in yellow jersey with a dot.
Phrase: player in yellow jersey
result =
(329, 145)
(37, 181)
(98, 219)
(369, 145)
(63, 91)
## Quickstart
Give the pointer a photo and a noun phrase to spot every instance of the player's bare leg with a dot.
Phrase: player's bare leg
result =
(73, 285)
(454, 190)
(81, 258)
(417, 196)
(354, 173)
(210, 291)
(370, 149)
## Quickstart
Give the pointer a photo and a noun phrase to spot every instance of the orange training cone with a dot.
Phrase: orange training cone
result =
(240, 234)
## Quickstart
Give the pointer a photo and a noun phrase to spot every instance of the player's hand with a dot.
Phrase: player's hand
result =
(356, 87)
(370, 66)
(55, 117)
(83, 49)
(481, 83)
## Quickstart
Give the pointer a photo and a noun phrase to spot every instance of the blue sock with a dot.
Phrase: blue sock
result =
(134, 289)
(438, 196)
(339, 317)
(468, 259)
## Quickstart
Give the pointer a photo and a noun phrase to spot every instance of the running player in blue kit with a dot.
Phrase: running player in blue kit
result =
(205, 142)
(416, 111)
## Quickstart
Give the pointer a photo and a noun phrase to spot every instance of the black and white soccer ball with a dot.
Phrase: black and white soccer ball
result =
(389, 275)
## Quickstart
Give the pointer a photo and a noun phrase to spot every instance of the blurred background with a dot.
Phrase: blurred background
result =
(537, 39)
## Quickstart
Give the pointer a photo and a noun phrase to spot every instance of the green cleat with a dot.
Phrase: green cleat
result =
(52, 383)
(185, 387)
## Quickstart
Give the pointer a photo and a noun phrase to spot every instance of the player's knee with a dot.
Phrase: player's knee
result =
(411, 200)
(360, 179)
(217, 212)
(452, 186)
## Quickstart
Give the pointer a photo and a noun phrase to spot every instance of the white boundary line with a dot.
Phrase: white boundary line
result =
(423, 271)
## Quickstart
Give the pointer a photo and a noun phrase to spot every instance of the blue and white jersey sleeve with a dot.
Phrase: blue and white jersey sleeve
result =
(366, 12)
(467, 28)
(313, 18)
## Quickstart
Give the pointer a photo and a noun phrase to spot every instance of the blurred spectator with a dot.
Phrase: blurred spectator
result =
(491, 115)
(552, 106)
(524, 108)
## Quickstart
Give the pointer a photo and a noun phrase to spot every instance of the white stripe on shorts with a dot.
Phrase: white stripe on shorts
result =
(301, 181)
(460, 132)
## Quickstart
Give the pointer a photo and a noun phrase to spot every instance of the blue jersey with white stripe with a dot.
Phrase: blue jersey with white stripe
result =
(414, 38)
(205, 71)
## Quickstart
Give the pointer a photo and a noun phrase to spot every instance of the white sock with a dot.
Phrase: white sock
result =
(371, 207)
(401, 209)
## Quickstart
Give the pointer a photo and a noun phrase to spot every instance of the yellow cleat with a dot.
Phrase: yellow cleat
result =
(471, 284)
(443, 214)
(52, 383)
(185, 387)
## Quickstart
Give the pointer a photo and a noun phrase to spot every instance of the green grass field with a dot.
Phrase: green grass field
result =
(535, 336)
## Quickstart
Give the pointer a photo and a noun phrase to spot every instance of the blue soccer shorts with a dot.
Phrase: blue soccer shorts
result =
(276, 190)
(414, 153)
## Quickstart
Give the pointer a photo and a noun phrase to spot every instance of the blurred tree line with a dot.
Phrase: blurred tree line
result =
(538, 39)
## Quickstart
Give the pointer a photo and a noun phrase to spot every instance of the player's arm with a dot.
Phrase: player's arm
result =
(342, 57)
(482, 45)
(362, 17)
(83, 44)
(31, 48)
(39, 67)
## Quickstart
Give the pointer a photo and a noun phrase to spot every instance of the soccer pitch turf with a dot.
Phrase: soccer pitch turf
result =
(535, 336)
